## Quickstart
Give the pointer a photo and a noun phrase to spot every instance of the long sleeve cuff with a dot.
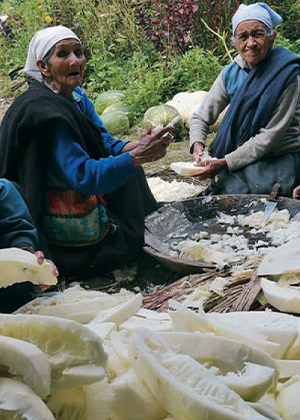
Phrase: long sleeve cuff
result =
(25, 245)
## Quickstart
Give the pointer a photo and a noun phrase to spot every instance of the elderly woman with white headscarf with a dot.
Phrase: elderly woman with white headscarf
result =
(85, 189)
(258, 143)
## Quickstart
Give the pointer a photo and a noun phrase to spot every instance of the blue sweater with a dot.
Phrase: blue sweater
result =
(16, 225)
(72, 165)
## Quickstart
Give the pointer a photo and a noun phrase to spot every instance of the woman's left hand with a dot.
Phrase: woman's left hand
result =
(209, 168)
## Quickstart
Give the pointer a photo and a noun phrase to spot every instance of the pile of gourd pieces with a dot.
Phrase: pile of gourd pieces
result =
(223, 249)
(88, 355)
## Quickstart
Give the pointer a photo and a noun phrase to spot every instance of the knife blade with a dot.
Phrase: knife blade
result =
(271, 203)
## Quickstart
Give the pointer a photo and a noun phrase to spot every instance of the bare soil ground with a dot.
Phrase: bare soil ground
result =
(4, 105)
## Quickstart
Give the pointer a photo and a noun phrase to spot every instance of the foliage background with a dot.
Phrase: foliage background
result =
(150, 49)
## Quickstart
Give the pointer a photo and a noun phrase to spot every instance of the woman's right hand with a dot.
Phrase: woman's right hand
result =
(152, 146)
(41, 258)
(296, 193)
(198, 151)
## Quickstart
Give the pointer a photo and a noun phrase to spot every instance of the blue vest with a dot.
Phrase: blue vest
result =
(254, 101)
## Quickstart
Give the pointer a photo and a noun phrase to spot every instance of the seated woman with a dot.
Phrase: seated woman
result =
(258, 142)
(17, 231)
(86, 190)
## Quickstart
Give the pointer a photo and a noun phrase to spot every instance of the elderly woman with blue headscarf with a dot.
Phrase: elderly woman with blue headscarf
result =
(258, 142)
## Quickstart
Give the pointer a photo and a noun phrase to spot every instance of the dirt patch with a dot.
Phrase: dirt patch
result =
(4, 105)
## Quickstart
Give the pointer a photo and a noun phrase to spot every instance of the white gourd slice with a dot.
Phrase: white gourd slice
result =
(288, 368)
(184, 387)
(26, 362)
(293, 352)
(272, 332)
(184, 319)
(19, 402)
(288, 401)
(252, 382)
(66, 343)
(121, 312)
(81, 305)
(67, 404)
(103, 329)
(119, 340)
(17, 266)
(99, 401)
(266, 410)
(116, 366)
(282, 260)
(145, 318)
(248, 371)
(133, 400)
(81, 375)
(185, 168)
(285, 298)
(92, 402)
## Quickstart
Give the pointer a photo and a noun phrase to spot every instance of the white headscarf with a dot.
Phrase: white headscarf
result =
(257, 11)
(40, 44)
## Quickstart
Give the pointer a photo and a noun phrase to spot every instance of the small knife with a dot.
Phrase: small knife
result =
(271, 203)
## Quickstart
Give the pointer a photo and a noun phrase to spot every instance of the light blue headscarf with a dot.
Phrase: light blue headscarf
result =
(257, 11)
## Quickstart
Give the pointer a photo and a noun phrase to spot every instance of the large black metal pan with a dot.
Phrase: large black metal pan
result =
(180, 220)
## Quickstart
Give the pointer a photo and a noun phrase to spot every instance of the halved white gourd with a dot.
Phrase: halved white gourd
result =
(248, 371)
(184, 387)
(26, 362)
(66, 343)
(17, 266)
(19, 402)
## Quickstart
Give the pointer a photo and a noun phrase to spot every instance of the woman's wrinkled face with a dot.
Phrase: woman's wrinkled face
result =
(252, 41)
(65, 68)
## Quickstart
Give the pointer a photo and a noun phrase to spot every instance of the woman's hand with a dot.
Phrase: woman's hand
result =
(41, 258)
(209, 168)
(152, 146)
(198, 151)
(296, 193)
